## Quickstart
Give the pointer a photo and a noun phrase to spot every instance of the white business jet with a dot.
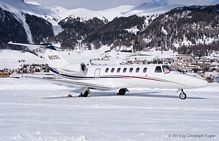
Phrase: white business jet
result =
(121, 77)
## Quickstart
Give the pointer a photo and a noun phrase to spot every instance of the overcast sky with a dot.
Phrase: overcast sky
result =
(105, 4)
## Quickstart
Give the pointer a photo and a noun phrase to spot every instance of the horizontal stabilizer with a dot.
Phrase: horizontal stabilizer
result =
(22, 44)
(45, 46)
(53, 58)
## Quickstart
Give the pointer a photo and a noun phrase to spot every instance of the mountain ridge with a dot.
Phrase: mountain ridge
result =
(144, 26)
(55, 14)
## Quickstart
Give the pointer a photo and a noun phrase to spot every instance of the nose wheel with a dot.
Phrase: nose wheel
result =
(182, 95)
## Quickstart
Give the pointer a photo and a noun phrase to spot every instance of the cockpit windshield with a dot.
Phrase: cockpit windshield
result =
(167, 69)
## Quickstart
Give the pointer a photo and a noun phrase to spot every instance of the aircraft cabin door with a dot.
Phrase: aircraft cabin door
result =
(97, 73)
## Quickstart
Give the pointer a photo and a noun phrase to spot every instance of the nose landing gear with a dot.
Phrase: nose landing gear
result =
(182, 95)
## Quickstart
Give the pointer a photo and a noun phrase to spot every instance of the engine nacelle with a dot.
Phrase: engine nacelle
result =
(74, 69)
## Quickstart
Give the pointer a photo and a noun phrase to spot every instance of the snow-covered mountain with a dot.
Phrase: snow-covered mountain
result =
(54, 14)
(18, 10)
(145, 26)
(144, 9)
(19, 6)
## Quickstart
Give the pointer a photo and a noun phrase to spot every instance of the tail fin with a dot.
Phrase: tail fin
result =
(52, 56)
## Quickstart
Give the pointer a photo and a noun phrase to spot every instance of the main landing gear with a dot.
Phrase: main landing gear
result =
(84, 92)
(182, 95)
(122, 91)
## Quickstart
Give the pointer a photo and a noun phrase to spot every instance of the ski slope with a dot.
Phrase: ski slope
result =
(36, 110)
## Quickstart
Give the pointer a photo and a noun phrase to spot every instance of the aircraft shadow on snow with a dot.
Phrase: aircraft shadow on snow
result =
(102, 94)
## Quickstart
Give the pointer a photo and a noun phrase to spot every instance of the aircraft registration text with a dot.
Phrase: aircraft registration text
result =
(53, 57)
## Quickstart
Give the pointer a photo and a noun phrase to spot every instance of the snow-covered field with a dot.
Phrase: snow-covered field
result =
(10, 59)
(38, 110)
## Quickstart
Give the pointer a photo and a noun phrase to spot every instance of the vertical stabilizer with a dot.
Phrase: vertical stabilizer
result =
(53, 57)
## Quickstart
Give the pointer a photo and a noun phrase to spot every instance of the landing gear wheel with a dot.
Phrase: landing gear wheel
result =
(69, 95)
(85, 94)
(182, 96)
(122, 91)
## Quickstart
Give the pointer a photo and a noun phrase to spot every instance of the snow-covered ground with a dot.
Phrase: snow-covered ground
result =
(38, 110)
(10, 59)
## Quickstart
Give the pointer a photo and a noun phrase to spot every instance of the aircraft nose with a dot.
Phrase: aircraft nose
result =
(204, 83)
(194, 81)
(201, 83)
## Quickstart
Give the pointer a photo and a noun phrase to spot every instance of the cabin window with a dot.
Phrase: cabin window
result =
(112, 70)
(144, 70)
(167, 69)
(106, 70)
(158, 69)
(137, 70)
(124, 70)
(131, 69)
(118, 70)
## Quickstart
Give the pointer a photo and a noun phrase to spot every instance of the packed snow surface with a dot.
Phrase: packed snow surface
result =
(38, 110)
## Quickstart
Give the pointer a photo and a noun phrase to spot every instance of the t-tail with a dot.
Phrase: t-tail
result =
(53, 58)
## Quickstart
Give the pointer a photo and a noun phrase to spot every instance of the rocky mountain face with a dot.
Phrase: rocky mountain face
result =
(98, 32)
(189, 30)
(40, 29)
(76, 30)
(10, 29)
(117, 32)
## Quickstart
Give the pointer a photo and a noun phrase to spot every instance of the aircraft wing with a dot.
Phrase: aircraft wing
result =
(76, 84)
(79, 84)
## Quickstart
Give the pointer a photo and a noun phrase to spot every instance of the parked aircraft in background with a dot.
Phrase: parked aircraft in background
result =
(121, 77)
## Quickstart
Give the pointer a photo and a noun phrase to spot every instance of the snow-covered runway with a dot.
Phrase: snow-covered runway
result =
(38, 110)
